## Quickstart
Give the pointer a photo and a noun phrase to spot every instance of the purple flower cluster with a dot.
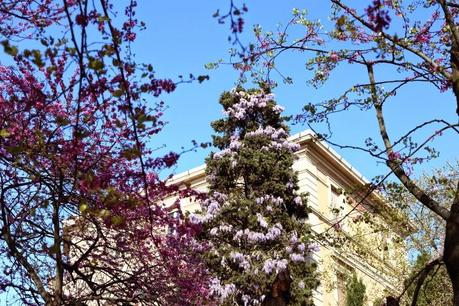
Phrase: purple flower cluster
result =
(314, 247)
(196, 218)
(293, 147)
(222, 153)
(248, 102)
(221, 291)
(298, 200)
(220, 197)
(295, 257)
(296, 249)
(274, 232)
(301, 247)
(294, 238)
(269, 131)
(226, 228)
(241, 260)
(271, 265)
(261, 220)
(222, 229)
(212, 206)
(278, 109)
(235, 144)
(269, 199)
(278, 137)
(257, 237)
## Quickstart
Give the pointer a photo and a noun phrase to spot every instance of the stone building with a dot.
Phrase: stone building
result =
(339, 199)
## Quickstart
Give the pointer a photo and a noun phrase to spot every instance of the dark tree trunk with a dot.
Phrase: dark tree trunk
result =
(451, 252)
(280, 291)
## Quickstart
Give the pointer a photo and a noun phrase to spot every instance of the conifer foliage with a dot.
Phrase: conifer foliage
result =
(255, 217)
(355, 291)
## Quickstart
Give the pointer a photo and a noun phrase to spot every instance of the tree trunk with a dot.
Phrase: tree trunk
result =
(451, 252)
(280, 291)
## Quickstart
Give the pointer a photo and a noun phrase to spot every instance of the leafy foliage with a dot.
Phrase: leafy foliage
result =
(355, 291)
(436, 289)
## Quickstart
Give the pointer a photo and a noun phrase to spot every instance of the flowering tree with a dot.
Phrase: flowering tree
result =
(427, 236)
(255, 218)
(408, 43)
(80, 197)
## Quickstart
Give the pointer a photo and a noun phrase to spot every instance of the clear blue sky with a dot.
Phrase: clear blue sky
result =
(182, 37)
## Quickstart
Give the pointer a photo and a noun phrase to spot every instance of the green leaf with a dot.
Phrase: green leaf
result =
(95, 64)
(130, 153)
(4, 133)
(44, 42)
(210, 66)
(203, 78)
(104, 213)
(118, 93)
(37, 60)
(116, 62)
(15, 150)
(9, 49)
(83, 207)
(117, 220)
(62, 121)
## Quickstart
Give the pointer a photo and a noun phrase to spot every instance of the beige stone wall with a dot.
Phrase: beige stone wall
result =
(321, 171)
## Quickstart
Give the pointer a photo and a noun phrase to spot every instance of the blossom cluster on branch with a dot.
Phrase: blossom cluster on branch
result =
(81, 198)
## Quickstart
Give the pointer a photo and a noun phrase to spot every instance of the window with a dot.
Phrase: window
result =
(341, 288)
(343, 272)
(384, 245)
(337, 201)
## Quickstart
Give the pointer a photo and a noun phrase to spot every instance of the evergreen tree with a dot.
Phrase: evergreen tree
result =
(255, 218)
(355, 292)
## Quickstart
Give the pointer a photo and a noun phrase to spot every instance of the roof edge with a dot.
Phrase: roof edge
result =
(307, 135)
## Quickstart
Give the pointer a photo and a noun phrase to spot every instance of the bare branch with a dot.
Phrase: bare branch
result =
(421, 276)
(395, 165)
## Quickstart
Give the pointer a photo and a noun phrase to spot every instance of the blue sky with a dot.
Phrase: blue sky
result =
(182, 37)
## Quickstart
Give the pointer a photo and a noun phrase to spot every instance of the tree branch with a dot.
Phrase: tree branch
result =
(395, 165)
(391, 38)
(422, 275)
(6, 235)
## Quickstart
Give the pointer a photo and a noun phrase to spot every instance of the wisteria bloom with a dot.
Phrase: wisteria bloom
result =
(295, 257)
(222, 291)
(298, 200)
(261, 221)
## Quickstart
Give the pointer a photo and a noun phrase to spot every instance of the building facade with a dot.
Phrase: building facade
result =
(352, 223)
